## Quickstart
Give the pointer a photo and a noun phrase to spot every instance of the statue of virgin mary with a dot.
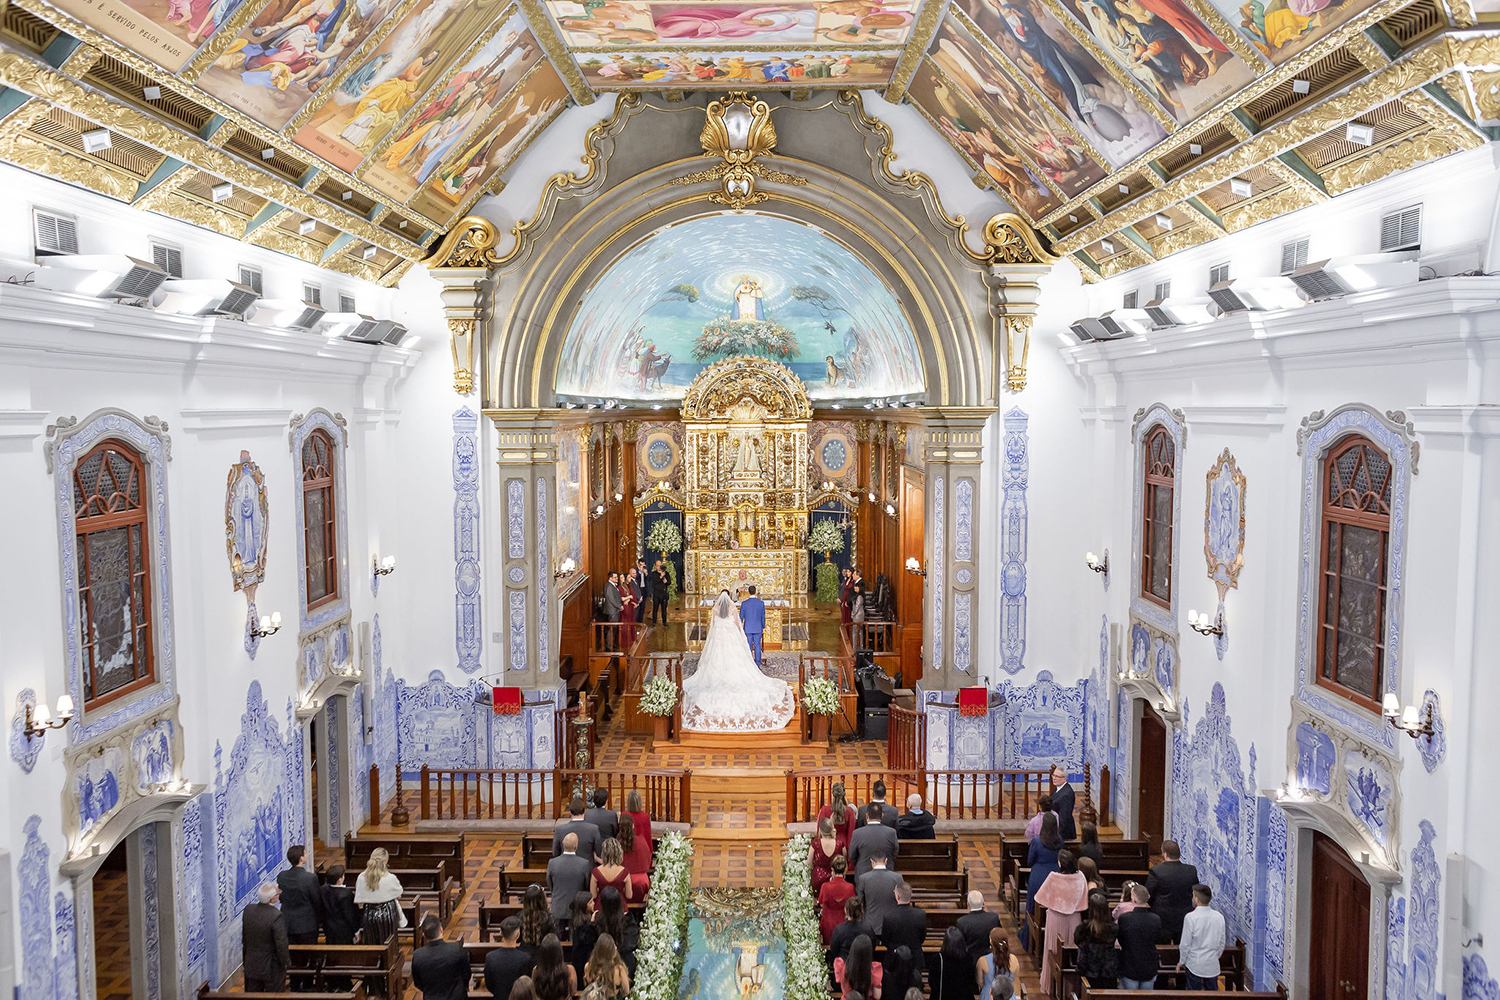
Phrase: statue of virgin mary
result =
(748, 302)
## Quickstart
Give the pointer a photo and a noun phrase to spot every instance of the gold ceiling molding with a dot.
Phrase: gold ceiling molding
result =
(1009, 239)
(1443, 138)
(1278, 203)
(1276, 166)
(1457, 87)
(1371, 56)
(80, 61)
(738, 129)
(1485, 86)
(1179, 239)
(552, 44)
(30, 152)
(917, 44)
(181, 206)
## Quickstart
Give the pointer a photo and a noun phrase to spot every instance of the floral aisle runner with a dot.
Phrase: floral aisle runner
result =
(806, 968)
(659, 958)
(735, 946)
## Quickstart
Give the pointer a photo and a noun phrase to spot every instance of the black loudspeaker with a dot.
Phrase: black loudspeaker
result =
(876, 723)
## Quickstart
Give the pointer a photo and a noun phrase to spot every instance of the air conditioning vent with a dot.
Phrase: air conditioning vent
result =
(1158, 315)
(1293, 255)
(1163, 291)
(252, 277)
(1129, 300)
(1111, 328)
(1218, 274)
(140, 282)
(1225, 298)
(55, 234)
(167, 258)
(1402, 229)
(308, 318)
(395, 335)
(1319, 285)
(237, 302)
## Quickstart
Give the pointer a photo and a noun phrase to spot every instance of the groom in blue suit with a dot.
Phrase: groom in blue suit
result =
(753, 614)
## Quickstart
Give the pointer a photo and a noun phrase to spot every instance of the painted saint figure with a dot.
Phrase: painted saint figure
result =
(748, 301)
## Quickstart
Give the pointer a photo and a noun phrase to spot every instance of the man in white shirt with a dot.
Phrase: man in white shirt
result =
(1202, 942)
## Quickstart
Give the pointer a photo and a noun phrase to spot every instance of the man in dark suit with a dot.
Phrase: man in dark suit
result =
(658, 586)
(301, 903)
(916, 823)
(753, 614)
(263, 930)
(606, 819)
(341, 919)
(1170, 885)
(508, 962)
(906, 924)
(887, 811)
(567, 876)
(440, 969)
(876, 888)
(872, 840)
(585, 835)
(1139, 930)
(610, 606)
(976, 926)
(1062, 804)
(639, 582)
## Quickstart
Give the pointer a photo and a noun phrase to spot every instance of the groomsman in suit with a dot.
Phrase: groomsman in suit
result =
(1063, 802)
(657, 586)
(753, 614)
(611, 605)
(639, 582)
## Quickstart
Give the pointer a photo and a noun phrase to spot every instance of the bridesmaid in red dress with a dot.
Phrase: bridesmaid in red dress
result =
(611, 873)
(842, 814)
(822, 853)
(637, 856)
(630, 600)
(835, 893)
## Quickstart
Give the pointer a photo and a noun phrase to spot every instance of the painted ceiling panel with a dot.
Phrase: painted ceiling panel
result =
(1279, 29)
(655, 69)
(641, 24)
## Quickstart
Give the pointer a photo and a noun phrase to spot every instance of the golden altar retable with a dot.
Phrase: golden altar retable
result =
(745, 423)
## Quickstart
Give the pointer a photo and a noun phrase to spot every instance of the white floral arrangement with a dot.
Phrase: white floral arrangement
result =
(659, 696)
(806, 968)
(820, 696)
(662, 949)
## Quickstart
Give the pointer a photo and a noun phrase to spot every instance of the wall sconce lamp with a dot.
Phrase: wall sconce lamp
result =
(382, 567)
(827, 485)
(914, 567)
(890, 509)
(269, 625)
(870, 496)
(1097, 564)
(38, 720)
(1409, 719)
(565, 568)
(619, 497)
(1204, 625)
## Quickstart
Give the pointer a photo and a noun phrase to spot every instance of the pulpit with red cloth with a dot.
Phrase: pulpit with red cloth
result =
(507, 700)
(973, 701)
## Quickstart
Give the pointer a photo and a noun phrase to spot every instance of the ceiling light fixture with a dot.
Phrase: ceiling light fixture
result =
(369, 252)
(267, 153)
(306, 226)
(97, 140)
(1301, 86)
(1164, 221)
(1240, 187)
(151, 93)
(1124, 188)
(1108, 245)
(1360, 135)
(347, 195)
(1194, 149)
(221, 192)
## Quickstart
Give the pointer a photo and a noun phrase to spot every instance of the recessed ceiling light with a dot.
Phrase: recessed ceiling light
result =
(347, 195)
(1240, 187)
(306, 226)
(96, 140)
(1301, 86)
(1194, 149)
(267, 153)
(1360, 135)
(1108, 245)
(401, 224)
(1164, 221)
(222, 191)
(1072, 218)
(1124, 188)
(151, 93)
(369, 252)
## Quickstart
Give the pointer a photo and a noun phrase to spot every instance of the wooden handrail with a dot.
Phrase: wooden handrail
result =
(1007, 794)
(374, 794)
(543, 793)
(906, 739)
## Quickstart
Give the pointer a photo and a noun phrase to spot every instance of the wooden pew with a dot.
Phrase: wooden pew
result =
(1118, 854)
(1067, 982)
(928, 888)
(437, 892)
(1091, 994)
(204, 993)
(315, 964)
(536, 849)
(492, 913)
(515, 881)
(940, 855)
(409, 851)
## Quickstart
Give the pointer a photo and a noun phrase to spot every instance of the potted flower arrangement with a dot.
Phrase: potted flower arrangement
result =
(659, 699)
(665, 537)
(826, 538)
(821, 699)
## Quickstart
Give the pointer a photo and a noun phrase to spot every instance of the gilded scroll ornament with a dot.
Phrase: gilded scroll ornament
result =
(1017, 346)
(1009, 240)
(1438, 141)
(738, 129)
(461, 333)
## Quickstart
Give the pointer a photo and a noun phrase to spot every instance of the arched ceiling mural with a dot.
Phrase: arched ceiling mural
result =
(354, 133)
(726, 284)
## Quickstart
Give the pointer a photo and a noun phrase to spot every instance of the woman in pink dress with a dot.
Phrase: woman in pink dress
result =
(1065, 894)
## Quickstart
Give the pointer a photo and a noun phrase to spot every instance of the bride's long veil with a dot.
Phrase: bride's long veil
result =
(728, 691)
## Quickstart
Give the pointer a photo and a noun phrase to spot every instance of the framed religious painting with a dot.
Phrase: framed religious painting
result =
(1224, 523)
(246, 513)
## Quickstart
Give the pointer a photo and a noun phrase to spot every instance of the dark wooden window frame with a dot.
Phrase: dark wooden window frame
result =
(102, 512)
(1153, 478)
(318, 479)
(1334, 517)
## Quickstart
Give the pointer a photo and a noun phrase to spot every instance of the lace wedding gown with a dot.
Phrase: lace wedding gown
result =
(728, 693)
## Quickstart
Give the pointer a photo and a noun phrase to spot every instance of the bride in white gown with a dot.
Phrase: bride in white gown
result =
(728, 693)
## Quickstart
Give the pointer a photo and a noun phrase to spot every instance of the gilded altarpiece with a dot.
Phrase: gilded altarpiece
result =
(745, 424)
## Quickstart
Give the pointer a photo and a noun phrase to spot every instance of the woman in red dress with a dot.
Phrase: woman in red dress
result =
(611, 873)
(846, 581)
(842, 813)
(835, 893)
(822, 854)
(637, 856)
(630, 598)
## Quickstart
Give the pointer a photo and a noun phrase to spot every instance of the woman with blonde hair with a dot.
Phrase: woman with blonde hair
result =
(611, 872)
(605, 977)
(379, 893)
(838, 809)
(824, 848)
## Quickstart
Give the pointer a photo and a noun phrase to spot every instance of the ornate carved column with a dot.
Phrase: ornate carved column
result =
(1018, 263)
(952, 451)
(463, 306)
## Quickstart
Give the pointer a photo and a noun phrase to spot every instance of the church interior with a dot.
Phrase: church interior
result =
(423, 419)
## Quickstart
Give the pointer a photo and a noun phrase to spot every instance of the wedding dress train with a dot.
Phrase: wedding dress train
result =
(728, 693)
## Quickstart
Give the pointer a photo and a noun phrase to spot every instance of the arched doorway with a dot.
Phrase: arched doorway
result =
(1151, 772)
(1339, 964)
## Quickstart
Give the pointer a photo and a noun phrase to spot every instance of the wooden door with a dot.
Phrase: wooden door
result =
(1339, 966)
(909, 592)
(1151, 777)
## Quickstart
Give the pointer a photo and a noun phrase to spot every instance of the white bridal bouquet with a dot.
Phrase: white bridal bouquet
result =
(820, 696)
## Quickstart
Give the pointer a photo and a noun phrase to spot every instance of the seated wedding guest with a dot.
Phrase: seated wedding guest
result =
(567, 875)
(853, 926)
(1127, 899)
(842, 813)
(874, 838)
(1041, 858)
(950, 974)
(536, 918)
(605, 976)
(340, 914)
(522, 990)
(877, 797)
(824, 848)
(552, 977)
(916, 823)
(616, 921)
(1098, 960)
(1088, 843)
(1043, 809)
(906, 925)
(1065, 894)
(997, 962)
(611, 872)
(582, 932)
(584, 833)
(1138, 932)
(440, 969)
(835, 892)
(977, 924)
(379, 892)
(1090, 873)
(637, 852)
(507, 963)
(602, 816)
(639, 816)
(859, 972)
(877, 890)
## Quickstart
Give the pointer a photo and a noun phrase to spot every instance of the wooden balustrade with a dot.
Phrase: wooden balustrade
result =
(809, 791)
(543, 793)
(839, 670)
(906, 739)
(666, 794)
(874, 636)
(989, 795)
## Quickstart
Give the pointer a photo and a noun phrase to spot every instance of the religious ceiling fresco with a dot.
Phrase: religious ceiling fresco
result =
(634, 23)
(729, 284)
(654, 69)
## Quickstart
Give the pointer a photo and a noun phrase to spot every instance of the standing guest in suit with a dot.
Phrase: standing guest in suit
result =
(906, 925)
(610, 606)
(832, 895)
(1203, 937)
(658, 586)
(567, 875)
(1062, 803)
(301, 904)
(440, 969)
(753, 614)
(602, 816)
(1034, 824)
(853, 926)
(340, 915)
(508, 962)
(871, 840)
(887, 811)
(977, 924)
(1170, 885)
(916, 823)
(1138, 930)
(264, 937)
(585, 834)
(639, 579)
(877, 890)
